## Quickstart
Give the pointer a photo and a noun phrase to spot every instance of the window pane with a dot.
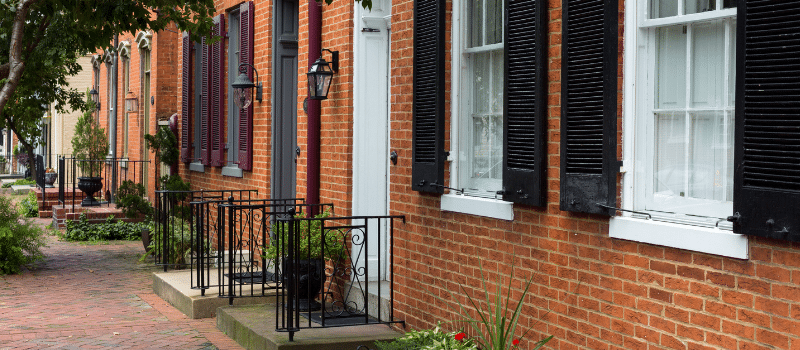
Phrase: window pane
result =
(481, 94)
(487, 148)
(663, 8)
(710, 157)
(494, 21)
(498, 79)
(670, 68)
(475, 26)
(670, 162)
(708, 65)
(696, 6)
(729, 4)
(732, 66)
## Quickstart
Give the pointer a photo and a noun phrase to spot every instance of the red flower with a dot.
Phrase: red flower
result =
(515, 342)
(460, 336)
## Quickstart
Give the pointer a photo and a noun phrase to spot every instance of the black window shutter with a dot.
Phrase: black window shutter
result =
(525, 115)
(589, 163)
(186, 103)
(428, 156)
(766, 194)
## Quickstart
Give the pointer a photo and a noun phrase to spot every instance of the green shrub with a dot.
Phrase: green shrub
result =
(19, 182)
(179, 243)
(432, 339)
(20, 239)
(29, 206)
(109, 230)
(130, 198)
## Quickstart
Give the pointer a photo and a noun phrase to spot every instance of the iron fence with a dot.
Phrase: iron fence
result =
(172, 244)
(337, 271)
(234, 262)
(112, 171)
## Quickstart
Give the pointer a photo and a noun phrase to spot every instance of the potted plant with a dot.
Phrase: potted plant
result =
(50, 176)
(310, 269)
(130, 199)
(89, 147)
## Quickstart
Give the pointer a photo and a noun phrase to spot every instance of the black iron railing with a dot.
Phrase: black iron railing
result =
(337, 271)
(112, 170)
(240, 234)
(172, 244)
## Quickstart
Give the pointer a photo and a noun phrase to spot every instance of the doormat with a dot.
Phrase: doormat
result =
(349, 320)
(252, 277)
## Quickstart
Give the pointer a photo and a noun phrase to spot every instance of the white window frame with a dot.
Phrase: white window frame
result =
(457, 201)
(713, 238)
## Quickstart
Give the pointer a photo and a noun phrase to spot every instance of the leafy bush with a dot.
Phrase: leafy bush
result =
(164, 144)
(130, 198)
(19, 182)
(29, 206)
(179, 243)
(109, 230)
(20, 239)
(433, 339)
(90, 143)
(309, 234)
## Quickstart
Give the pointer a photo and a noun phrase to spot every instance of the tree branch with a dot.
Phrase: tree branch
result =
(16, 65)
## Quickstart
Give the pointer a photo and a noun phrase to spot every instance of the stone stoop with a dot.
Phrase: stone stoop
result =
(175, 288)
(253, 327)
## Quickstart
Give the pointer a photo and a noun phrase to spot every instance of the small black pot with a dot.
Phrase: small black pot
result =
(50, 179)
(89, 186)
(309, 278)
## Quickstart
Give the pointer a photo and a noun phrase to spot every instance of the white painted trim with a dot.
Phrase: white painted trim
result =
(699, 239)
(198, 167)
(232, 171)
(694, 17)
(124, 49)
(143, 39)
(492, 208)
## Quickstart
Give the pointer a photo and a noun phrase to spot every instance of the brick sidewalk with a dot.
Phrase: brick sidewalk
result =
(96, 296)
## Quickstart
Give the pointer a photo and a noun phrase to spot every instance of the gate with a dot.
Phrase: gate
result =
(326, 280)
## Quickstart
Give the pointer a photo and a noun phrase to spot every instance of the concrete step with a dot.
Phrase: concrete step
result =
(175, 287)
(253, 327)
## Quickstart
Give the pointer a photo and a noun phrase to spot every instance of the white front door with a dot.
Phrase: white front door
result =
(371, 130)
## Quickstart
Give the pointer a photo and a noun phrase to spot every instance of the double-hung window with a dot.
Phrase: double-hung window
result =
(497, 104)
(477, 110)
(479, 118)
(679, 124)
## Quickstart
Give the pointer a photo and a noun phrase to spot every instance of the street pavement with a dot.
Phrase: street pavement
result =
(95, 296)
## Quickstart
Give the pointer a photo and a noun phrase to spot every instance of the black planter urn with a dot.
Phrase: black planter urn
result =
(309, 277)
(89, 186)
(50, 179)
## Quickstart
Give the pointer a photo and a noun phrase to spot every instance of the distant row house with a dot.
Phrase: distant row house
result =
(640, 158)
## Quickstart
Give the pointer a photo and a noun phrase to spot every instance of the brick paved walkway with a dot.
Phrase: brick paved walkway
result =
(92, 297)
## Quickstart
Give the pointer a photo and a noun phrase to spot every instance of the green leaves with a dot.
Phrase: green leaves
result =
(90, 143)
(20, 240)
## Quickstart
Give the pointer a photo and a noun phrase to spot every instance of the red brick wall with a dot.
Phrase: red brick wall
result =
(601, 293)
(589, 290)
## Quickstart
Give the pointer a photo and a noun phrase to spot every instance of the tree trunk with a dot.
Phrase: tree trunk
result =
(31, 160)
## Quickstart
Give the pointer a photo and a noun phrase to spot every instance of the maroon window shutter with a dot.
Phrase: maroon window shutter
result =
(246, 25)
(217, 87)
(186, 93)
(205, 155)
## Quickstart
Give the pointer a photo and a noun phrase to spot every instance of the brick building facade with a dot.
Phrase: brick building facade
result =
(670, 275)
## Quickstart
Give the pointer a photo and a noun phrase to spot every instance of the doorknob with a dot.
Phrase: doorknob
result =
(393, 157)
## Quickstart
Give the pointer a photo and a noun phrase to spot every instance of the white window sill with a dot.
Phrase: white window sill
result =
(492, 208)
(694, 238)
(198, 167)
(232, 171)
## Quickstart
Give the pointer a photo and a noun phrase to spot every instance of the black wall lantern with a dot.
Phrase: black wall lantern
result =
(320, 75)
(243, 87)
(95, 96)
